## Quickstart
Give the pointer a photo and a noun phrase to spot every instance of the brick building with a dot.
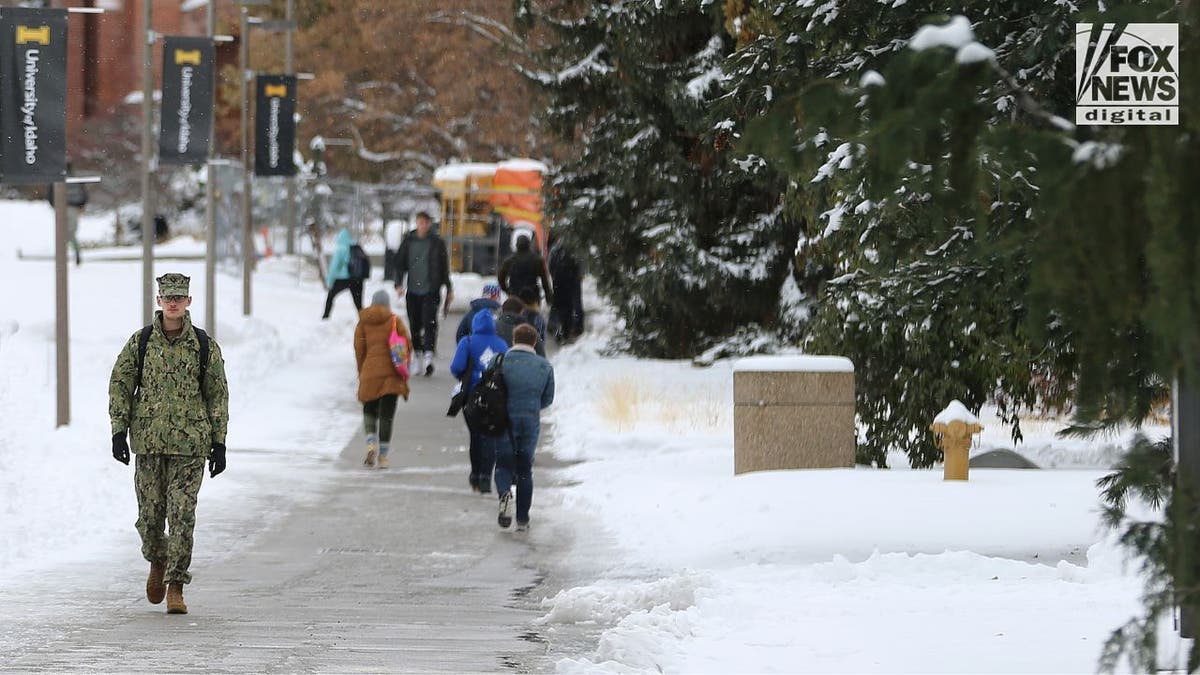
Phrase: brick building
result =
(104, 64)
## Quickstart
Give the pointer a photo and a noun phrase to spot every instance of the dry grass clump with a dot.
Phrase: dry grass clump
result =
(624, 402)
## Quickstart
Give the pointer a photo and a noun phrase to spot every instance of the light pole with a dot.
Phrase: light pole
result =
(289, 68)
(249, 22)
(247, 224)
(147, 162)
(210, 215)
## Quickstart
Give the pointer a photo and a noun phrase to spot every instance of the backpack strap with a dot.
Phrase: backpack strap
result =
(204, 354)
(144, 340)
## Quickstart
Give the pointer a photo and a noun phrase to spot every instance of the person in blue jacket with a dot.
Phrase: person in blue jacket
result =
(488, 300)
(338, 278)
(473, 354)
(529, 381)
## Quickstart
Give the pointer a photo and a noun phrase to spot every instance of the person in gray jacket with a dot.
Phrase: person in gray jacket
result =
(529, 379)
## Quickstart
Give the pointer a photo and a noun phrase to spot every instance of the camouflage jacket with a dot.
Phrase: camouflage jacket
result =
(169, 415)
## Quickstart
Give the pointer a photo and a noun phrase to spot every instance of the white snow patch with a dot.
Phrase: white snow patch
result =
(956, 34)
(956, 411)
(973, 53)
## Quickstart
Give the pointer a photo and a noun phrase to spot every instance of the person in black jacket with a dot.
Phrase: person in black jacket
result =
(566, 312)
(423, 259)
(520, 273)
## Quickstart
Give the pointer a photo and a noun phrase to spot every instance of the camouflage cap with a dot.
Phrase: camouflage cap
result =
(173, 284)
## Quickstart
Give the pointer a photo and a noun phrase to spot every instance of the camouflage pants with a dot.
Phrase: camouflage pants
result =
(166, 487)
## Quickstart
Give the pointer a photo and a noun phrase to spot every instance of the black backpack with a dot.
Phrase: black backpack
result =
(144, 340)
(360, 263)
(486, 408)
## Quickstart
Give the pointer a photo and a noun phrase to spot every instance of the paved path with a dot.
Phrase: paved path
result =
(402, 570)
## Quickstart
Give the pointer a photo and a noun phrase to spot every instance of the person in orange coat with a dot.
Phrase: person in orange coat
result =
(379, 385)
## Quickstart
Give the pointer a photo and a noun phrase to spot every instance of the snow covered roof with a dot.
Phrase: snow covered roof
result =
(459, 172)
(801, 363)
(190, 5)
(523, 164)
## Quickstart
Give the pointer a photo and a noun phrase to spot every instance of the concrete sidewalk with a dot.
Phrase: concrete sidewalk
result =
(402, 570)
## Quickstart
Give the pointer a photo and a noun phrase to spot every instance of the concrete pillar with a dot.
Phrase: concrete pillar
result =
(793, 412)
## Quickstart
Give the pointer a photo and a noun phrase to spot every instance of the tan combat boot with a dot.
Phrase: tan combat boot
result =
(175, 599)
(155, 588)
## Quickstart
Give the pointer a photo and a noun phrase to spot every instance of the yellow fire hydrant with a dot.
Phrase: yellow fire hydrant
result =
(954, 427)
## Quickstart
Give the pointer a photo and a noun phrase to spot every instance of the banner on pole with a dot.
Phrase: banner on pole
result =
(187, 100)
(33, 95)
(275, 125)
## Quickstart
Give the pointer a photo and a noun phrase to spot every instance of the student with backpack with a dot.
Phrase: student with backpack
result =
(168, 398)
(339, 277)
(529, 389)
(471, 358)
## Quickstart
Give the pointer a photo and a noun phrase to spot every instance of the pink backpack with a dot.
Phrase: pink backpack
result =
(398, 348)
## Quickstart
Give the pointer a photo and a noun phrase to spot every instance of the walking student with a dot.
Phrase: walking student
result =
(520, 273)
(566, 312)
(529, 380)
(169, 395)
(338, 278)
(422, 258)
(488, 300)
(512, 314)
(473, 354)
(379, 385)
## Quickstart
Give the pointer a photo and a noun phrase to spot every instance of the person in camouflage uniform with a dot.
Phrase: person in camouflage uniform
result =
(175, 423)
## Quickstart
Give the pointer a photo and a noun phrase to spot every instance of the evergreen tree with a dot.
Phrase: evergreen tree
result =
(916, 248)
(1095, 223)
(687, 242)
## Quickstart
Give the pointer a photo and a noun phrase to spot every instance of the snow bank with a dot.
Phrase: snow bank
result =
(842, 570)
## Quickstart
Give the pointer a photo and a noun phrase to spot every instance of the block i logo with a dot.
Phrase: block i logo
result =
(1127, 73)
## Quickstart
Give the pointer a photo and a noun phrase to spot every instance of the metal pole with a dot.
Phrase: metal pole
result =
(61, 332)
(247, 225)
(147, 163)
(210, 248)
(289, 207)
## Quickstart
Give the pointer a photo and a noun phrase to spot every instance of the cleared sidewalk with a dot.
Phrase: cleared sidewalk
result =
(402, 570)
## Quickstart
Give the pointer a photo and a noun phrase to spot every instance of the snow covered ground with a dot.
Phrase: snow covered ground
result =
(815, 571)
(847, 570)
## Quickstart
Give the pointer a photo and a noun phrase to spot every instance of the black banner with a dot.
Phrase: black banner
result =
(33, 95)
(275, 125)
(187, 100)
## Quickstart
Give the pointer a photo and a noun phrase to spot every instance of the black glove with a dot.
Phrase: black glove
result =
(121, 448)
(216, 459)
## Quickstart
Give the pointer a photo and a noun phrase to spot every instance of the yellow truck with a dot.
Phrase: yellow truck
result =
(484, 206)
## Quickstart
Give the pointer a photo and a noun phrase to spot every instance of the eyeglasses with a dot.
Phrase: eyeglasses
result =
(174, 299)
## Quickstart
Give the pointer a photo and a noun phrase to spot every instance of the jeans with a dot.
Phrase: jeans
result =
(483, 458)
(514, 461)
(423, 320)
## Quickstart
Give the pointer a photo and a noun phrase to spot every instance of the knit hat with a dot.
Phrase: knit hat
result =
(491, 290)
(381, 298)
